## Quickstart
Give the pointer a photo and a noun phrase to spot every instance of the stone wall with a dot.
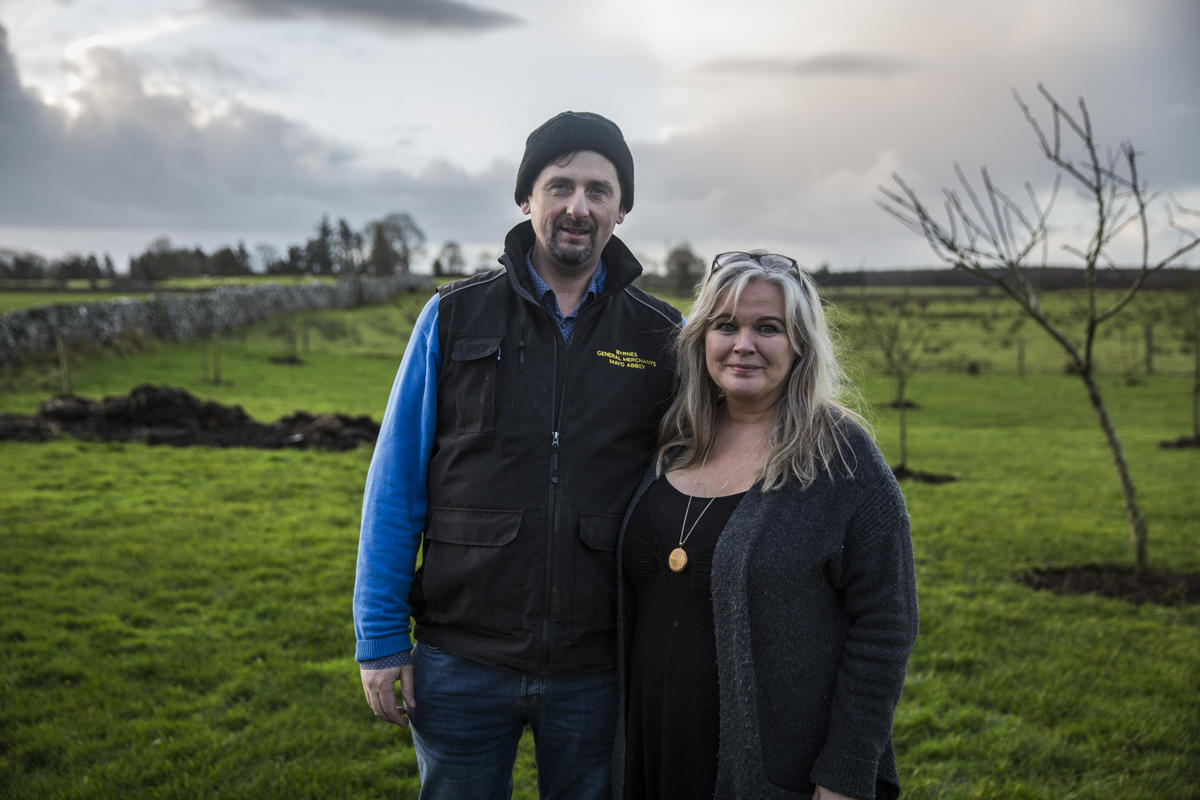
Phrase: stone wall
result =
(33, 333)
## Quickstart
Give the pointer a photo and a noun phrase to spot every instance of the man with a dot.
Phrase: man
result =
(525, 408)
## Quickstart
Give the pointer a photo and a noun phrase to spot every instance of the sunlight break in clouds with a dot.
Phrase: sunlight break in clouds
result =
(80, 69)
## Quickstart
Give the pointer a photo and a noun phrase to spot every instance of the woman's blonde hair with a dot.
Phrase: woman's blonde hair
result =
(804, 438)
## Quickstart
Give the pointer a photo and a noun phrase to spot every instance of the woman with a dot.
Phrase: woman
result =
(768, 597)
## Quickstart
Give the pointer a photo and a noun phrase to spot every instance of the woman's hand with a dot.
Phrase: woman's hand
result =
(828, 794)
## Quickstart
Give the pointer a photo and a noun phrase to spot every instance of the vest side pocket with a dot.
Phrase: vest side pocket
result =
(595, 609)
(471, 577)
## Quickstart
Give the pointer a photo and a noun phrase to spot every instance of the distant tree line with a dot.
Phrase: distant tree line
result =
(386, 246)
(31, 266)
(685, 268)
(1045, 278)
(161, 261)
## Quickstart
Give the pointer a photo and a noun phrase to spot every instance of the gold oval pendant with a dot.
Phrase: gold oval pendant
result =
(677, 561)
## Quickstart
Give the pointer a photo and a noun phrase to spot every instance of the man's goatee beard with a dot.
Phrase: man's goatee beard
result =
(573, 256)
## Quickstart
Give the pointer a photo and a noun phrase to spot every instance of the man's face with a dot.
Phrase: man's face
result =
(574, 206)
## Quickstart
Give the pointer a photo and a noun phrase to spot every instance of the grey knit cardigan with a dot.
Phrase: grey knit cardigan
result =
(815, 614)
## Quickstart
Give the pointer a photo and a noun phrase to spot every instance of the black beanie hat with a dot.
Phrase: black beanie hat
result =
(569, 132)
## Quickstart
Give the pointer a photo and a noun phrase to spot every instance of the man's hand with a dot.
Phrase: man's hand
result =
(379, 685)
(828, 794)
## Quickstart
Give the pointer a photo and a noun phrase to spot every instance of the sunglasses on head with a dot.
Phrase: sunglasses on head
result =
(772, 261)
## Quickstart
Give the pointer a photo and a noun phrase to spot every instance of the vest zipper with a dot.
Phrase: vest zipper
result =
(554, 459)
(552, 504)
(552, 507)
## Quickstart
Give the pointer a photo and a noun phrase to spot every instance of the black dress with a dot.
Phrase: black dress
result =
(672, 721)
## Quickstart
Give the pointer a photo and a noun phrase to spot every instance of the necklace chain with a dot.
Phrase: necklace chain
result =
(683, 537)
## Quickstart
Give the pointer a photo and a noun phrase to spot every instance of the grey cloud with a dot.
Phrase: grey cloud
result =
(428, 14)
(10, 84)
(29, 132)
(208, 64)
(136, 161)
(792, 176)
(815, 66)
(406, 135)
(130, 157)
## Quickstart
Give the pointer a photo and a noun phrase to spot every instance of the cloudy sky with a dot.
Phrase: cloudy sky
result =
(761, 123)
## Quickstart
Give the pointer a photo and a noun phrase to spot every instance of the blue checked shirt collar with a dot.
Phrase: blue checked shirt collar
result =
(545, 295)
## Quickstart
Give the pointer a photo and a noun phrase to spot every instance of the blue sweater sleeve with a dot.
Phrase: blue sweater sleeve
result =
(396, 499)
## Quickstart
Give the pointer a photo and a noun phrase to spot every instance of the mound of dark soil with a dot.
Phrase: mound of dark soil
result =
(1122, 583)
(165, 415)
(906, 474)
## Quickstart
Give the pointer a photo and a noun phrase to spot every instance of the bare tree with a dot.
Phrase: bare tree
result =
(348, 246)
(383, 255)
(989, 235)
(449, 259)
(1179, 311)
(897, 330)
(1190, 327)
(684, 267)
(268, 256)
(395, 241)
(318, 250)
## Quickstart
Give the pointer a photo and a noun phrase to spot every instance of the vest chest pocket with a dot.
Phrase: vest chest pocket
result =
(475, 362)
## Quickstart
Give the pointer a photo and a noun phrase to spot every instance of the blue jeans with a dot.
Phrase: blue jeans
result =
(469, 719)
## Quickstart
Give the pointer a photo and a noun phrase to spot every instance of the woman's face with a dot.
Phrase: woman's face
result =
(747, 350)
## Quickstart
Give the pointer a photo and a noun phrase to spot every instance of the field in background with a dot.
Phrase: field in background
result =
(18, 295)
(177, 621)
(964, 329)
(982, 330)
(348, 364)
(19, 301)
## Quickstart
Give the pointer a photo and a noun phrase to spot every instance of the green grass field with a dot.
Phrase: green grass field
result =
(82, 291)
(177, 621)
(19, 301)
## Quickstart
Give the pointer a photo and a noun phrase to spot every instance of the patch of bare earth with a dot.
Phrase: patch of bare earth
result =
(1161, 587)
(166, 415)
(903, 473)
